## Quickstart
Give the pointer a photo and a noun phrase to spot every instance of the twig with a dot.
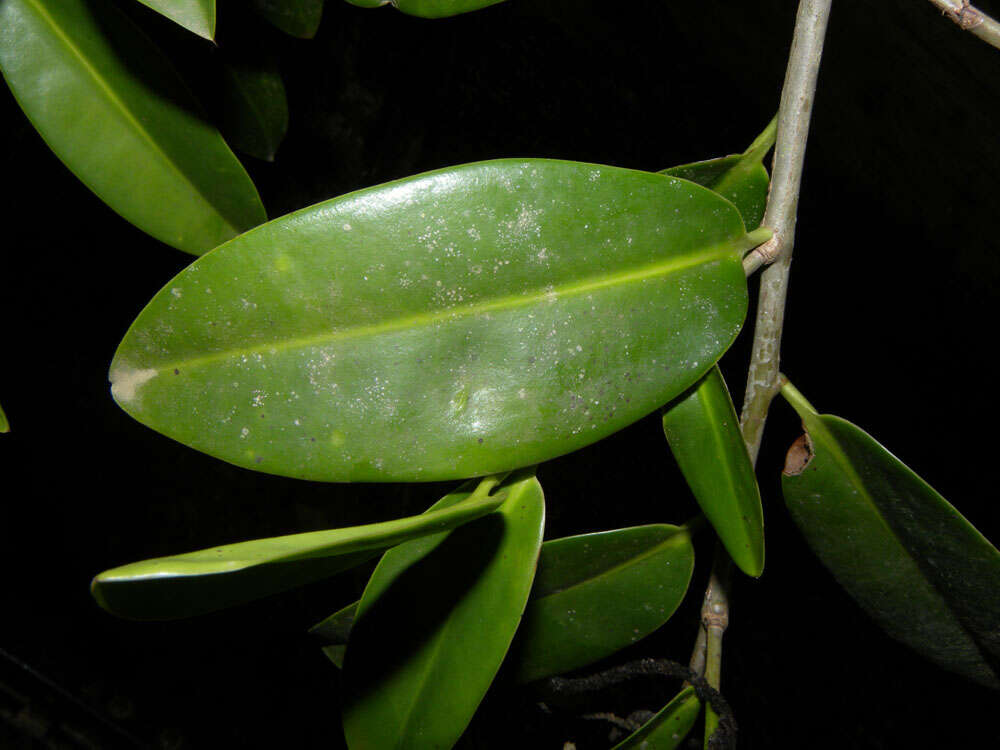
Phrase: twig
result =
(762, 380)
(969, 18)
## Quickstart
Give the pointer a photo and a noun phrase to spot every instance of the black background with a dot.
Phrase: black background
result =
(891, 323)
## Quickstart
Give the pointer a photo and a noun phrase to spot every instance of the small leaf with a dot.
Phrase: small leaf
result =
(4, 424)
(593, 595)
(298, 18)
(740, 178)
(197, 16)
(912, 561)
(428, 8)
(666, 730)
(212, 579)
(434, 624)
(255, 110)
(704, 435)
(138, 141)
(504, 312)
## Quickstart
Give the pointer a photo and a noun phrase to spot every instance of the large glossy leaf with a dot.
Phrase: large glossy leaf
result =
(666, 730)
(4, 424)
(704, 435)
(113, 109)
(458, 323)
(912, 561)
(295, 17)
(741, 178)
(434, 624)
(197, 16)
(212, 579)
(428, 8)
(598, 593)
(255, 110)
(593, 595)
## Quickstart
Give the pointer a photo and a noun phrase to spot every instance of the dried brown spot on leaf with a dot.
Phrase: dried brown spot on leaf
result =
(798, 456)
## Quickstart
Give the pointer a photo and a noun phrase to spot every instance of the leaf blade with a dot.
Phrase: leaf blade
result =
(212, 579)
(255, 107)
(197, 16)
(668, 728)
(703, 432)
(400, 683)
(505, 299)
(138, 141)
(429, 8)
(907, 556)
(298, 18)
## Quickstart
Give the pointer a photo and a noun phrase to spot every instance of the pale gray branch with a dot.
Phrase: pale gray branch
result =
(971, 19)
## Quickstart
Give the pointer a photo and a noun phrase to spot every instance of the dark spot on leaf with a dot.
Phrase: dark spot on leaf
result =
(798, 456)
(480, 441)
(176, 371)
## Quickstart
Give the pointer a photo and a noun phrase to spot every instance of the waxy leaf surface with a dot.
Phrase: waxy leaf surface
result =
(912, 561)
(197, 16)
(704, 435)
(593, 595)
(212, 579)
(295, 17)
(598, 593)
(255, 109)
(434, 624)
(743, 182)
(459, 323)
(4, 424)
(428, 8)
(112, 108)
(666, 730)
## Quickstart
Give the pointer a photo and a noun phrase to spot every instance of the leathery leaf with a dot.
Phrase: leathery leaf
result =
(4, 424)
(740, 178)
(668, 728)
(908, 557)
(428, 8)
(298, 18)
(458, 323)
(212, 579)
(137, 141)
(434, 624)
(197, 16)
(704, 435)
(593, 595)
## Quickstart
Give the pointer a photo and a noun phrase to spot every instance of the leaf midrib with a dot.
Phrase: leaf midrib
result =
(103, 86)
(717, 252)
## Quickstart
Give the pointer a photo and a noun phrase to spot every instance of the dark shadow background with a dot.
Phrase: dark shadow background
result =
(892, 320)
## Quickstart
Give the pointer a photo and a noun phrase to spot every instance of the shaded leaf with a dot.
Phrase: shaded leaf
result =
(505, 312)
(434, 624)
(295, 17)
(112, 108)
(428, 8)
(593, 595)
(912, 561)
(254, 106)
(704, 435)
(197, 16)
(4, 424)
(212, 579)
(740, 178)
(666, 730)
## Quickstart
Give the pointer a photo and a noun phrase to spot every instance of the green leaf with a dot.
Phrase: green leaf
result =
(666, 730)
(912, 561)
(428, 8)
(255, 110)
(741, 178)
(112, 108)
(4, 424)
(459, 323)
(593, 595)
(295, 17)
(434, 623)
(212, 579)
(704, 435)
(197, 16)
